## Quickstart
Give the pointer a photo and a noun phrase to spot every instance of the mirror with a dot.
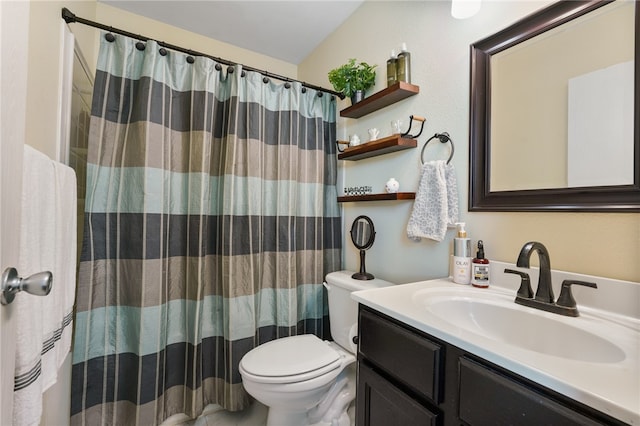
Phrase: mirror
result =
(538, 139)
(362, 234)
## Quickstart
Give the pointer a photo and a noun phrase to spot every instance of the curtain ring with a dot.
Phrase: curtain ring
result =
(163, 51)
(444, 138)
(304, 90)
(265, 80)
(190, 59)
(141, 46)
(218, 67)
(243, 73)
(287, 85)
(320, 94)
(110, 37)
(230, 70)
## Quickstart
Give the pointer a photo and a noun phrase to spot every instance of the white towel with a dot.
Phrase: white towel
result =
(47, 243)
(436, 204)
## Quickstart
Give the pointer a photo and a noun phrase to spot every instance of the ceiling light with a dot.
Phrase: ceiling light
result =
(462, 9)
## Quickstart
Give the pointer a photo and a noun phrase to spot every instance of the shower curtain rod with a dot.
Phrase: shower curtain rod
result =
(69, 17)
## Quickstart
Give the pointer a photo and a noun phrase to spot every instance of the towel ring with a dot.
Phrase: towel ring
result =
(444, 138)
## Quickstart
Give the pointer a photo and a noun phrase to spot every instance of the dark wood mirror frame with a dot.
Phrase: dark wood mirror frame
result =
(620, 198)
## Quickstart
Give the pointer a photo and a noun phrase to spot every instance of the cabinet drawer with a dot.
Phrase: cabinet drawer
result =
(379, 403)
(384, 343)
(487, 397)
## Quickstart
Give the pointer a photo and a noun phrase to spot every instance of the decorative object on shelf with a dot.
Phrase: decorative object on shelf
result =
(411, 118)
(351, 78)
(362, 234)
(392, 76)
(392, 185)
(354, 140)
(338, 143)
(357, 190)
(373, 134)
(403, 65)
(395, 126)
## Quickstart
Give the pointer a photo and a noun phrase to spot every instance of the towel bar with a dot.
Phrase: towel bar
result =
(444, 138)
(37, 284)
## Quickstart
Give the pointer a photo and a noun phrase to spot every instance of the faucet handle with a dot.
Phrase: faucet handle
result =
(566, 296)
(525, 289)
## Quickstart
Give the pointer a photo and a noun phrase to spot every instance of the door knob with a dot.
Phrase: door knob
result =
(37, 284)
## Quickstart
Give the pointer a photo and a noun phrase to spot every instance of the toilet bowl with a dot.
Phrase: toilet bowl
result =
(304, 380)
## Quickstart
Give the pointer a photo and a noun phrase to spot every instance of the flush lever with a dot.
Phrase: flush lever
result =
(37, 284)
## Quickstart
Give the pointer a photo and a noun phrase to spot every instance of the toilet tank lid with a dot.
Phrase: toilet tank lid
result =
(343, 279)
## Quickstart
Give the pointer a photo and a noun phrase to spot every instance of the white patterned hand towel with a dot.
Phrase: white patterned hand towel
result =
(436, 204)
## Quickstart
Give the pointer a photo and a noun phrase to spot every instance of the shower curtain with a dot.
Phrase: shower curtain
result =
(211, 219)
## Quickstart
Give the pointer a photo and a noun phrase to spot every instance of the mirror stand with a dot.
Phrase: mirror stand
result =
(363, 274)
(362, 234)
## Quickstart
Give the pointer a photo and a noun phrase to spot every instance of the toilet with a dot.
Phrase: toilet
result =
(304, 380)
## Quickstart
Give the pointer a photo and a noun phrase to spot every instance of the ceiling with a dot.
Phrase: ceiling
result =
(285, 30)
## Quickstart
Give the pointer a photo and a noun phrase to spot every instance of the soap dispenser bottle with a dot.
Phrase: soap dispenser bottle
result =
(480, 268)
(461, 256)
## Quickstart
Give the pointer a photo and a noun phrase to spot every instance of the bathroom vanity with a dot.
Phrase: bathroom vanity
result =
(427, 381)
(419, 364)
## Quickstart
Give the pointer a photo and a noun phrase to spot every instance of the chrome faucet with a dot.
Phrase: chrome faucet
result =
(544, 299)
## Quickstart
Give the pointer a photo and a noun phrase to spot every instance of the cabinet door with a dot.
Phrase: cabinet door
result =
(490, 398)
(407, 356)
(379, 403)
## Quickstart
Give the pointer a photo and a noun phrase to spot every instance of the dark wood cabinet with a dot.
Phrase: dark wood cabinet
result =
(380, 403)
(407, 377)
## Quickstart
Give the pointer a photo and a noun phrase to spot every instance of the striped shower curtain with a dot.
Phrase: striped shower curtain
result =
(211, 219)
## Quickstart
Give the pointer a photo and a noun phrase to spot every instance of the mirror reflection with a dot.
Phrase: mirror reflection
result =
(562, 105)
(553, 111)
(362, 235)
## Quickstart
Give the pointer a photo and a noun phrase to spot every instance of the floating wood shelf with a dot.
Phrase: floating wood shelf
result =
(378, 147)
(378, 197)
(381, 99)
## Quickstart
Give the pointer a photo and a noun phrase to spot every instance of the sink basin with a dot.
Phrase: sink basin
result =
(496, 317)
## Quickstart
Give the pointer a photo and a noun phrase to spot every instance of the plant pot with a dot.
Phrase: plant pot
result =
(357, 96)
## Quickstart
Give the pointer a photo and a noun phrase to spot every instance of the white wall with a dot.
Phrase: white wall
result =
(605, 244)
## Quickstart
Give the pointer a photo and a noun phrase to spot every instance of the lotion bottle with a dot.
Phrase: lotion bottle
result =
(480, 268)
(461, 256)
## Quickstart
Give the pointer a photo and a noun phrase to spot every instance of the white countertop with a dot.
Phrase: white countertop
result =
(610, 387)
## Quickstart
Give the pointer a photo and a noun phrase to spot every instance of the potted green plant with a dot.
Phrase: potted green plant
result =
(353, 79)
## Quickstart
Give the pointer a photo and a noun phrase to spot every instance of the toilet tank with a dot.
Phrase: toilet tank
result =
(343, 310)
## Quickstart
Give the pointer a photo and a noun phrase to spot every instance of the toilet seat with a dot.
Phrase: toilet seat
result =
(290, 360)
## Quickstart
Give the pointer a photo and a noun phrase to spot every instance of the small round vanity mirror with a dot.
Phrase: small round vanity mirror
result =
(362, 234)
